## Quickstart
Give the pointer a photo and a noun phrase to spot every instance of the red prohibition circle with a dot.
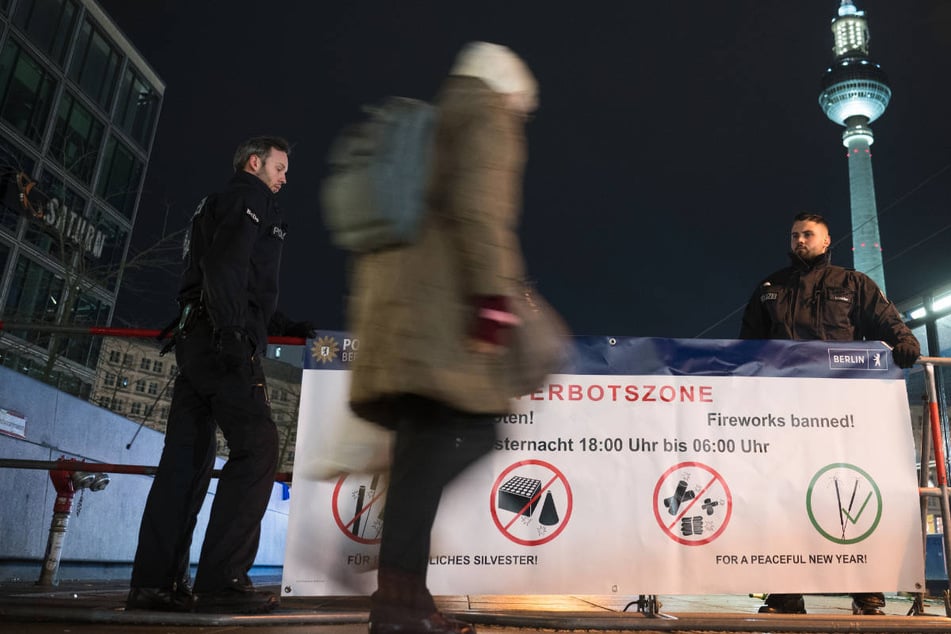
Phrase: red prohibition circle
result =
(495, 517)
(717, 477)
(345, 526)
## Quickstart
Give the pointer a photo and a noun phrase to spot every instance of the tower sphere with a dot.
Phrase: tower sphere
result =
(854, 86)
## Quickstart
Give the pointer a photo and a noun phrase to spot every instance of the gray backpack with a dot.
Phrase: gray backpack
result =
(375, 195)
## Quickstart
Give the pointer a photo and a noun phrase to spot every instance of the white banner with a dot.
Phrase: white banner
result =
(723, 467)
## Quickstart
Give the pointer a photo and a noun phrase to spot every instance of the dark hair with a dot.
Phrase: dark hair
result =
(258, 146)
(807, 217)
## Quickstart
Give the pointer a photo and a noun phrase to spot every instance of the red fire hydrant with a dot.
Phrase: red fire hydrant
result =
(67, 479)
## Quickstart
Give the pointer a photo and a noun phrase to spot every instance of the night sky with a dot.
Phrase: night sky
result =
(674, 142)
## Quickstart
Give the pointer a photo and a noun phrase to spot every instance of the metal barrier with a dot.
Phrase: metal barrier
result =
(932, 444)
(68, 476)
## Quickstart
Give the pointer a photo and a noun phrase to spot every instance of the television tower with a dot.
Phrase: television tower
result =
(854, 93)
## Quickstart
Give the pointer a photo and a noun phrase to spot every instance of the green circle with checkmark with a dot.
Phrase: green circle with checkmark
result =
(844, 503)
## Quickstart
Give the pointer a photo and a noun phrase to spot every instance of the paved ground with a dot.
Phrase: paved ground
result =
(97, 607)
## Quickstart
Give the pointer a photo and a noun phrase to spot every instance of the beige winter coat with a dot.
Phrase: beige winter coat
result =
(411, 307)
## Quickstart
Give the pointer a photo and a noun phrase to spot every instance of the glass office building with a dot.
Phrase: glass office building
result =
(78, 111)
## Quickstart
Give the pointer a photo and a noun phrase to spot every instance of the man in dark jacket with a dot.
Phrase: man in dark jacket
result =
(813, 299)
(227, 297)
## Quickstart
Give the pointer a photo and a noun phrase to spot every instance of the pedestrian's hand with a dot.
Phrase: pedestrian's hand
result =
(905, 354)
(233, 348)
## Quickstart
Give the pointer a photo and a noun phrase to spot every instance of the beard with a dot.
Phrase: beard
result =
(265, 178)
(806, 253)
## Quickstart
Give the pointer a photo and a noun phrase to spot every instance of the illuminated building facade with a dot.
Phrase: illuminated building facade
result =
(855, 93)
(78, 112)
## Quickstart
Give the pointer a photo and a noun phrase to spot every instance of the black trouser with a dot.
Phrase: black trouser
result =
(434, 443)
(237, 401)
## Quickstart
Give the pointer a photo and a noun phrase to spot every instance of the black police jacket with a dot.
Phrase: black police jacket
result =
(818, 300)
(233, 257)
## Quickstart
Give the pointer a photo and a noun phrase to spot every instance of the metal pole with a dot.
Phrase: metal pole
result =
(103, 331)
(103, 467)
(63, 483)
(940, 469)
(934, 347)
(924, 473)
(49, 575)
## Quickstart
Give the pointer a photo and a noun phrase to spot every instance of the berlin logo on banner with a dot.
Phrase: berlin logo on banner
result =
(857, 359)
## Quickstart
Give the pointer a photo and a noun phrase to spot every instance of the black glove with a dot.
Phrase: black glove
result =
(233, 348)
(281, 326)
(905, 354)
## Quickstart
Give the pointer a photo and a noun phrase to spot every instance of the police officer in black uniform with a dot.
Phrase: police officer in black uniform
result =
(813, 299)
(228, 295)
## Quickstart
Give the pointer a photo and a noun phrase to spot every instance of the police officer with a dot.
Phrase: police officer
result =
(813, 299)
(228, 295)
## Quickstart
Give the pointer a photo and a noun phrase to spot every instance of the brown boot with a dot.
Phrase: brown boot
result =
(403, 605)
